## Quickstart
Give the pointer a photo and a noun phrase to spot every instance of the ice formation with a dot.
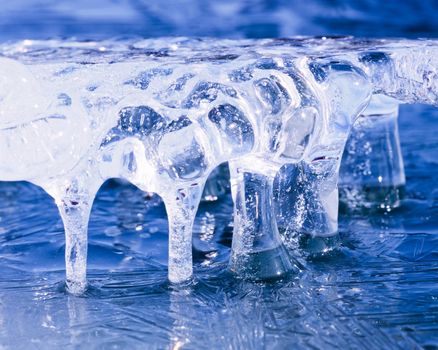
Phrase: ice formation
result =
(166, 113)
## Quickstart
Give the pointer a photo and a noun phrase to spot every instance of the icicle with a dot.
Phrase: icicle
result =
(372, 172)
(307, 192)
(74, 199)
(307, 205)
(257, 250)
(181, 205)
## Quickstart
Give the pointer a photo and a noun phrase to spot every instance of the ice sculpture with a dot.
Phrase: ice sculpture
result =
(166, 113)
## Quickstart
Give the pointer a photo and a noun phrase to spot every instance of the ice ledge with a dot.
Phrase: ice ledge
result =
(164, 113)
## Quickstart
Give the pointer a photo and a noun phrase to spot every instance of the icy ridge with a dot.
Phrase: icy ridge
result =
(165, 113)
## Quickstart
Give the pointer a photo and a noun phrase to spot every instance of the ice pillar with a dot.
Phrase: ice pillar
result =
(257, 250)
(307, 205)
(372, 172)
(74, 199)
(307, 191)
(181, 205)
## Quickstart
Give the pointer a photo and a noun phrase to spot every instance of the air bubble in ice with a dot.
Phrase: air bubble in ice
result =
(143, 79)
(141, 121)
(182, 153)
(235, 128)
(207, 92)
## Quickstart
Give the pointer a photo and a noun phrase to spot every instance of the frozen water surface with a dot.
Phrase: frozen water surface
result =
(164, 114)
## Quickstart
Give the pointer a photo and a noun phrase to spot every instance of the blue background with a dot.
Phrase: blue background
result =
(224, 18)
(378, 291)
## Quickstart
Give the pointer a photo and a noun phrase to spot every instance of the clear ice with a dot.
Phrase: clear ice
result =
(165, 114)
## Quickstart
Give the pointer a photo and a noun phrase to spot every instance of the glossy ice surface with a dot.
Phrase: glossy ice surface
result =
(163, 114)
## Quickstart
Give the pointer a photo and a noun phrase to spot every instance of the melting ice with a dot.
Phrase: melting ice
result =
(166, 114)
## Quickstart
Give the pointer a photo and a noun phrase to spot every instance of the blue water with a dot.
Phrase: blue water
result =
(378, 291)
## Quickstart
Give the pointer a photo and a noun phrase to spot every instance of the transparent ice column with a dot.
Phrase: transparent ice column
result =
(74, 199)
(181, 206)
(307, 205)
(372, 172)
(306, 192)
(257, 250)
